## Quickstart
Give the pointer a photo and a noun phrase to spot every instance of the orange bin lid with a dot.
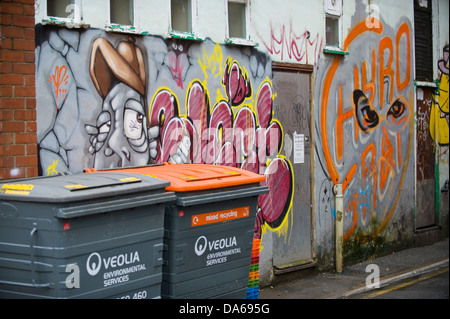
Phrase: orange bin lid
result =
(194, 177)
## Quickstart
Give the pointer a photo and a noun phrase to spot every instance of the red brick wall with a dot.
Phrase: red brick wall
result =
(18, 142)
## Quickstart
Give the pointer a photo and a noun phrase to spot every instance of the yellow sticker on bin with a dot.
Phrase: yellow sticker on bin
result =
(130, 179)
(75, 186)
(18, 189)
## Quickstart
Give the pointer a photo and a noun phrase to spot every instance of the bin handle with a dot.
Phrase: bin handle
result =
(123, 182)
(114, 205)
(122, 169)
(203, 198)
(32, 257)
(33, 283)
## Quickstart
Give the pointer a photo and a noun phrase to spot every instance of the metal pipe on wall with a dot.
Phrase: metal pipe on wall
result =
(339, 205)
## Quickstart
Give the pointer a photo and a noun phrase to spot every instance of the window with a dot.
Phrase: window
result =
(64, 10)
(332, 31)
(183, 23)
(181, 15)
(423, 36)
(333, 24)
(57, 8)
(121, 12)
(238, 22)
(123, 16)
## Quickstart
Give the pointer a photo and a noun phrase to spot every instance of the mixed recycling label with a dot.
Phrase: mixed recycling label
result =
(220, 216)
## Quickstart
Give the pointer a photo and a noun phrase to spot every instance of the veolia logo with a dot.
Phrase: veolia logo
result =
(94, 261)
(93, 264)
(202, 244)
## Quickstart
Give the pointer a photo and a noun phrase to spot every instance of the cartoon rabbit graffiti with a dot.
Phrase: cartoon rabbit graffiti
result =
(121, 136)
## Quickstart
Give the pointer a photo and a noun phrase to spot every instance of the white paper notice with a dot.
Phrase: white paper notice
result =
(299, 148)
(420, 94)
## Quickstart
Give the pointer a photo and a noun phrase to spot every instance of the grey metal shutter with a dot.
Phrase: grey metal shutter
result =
(423, 29)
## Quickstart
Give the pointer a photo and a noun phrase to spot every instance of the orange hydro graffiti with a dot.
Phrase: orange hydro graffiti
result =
(367, 109)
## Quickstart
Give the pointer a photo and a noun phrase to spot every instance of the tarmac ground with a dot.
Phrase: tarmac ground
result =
(358, 278)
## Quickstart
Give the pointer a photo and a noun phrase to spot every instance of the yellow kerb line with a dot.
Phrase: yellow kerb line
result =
(375, 294)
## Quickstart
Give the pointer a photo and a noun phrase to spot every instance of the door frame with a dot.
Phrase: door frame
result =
(417, 228)
(305, 69)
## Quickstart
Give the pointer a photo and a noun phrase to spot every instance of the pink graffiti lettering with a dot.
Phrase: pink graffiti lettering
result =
(236, 82)
(243, 138)
(294, 46)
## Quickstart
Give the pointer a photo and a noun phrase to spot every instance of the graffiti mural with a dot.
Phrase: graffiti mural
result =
(366, 121)
(439, 117)
(286, 43)
(108, 100)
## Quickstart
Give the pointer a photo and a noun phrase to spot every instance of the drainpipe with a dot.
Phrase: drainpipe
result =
(437, 187)
(339, 204)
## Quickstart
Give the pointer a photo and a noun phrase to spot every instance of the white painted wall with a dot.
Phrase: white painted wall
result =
(284, 19)
(287, 21)
(443, 23)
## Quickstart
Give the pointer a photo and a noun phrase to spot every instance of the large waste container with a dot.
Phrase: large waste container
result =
(208, 230)
(82, 236)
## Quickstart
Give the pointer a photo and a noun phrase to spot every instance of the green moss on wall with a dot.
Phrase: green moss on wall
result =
(365, 244)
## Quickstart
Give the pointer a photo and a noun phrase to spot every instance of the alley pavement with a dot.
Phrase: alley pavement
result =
(409, 263)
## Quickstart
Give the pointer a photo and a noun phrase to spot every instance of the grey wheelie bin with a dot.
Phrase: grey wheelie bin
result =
(208, 230)
(82, 236)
